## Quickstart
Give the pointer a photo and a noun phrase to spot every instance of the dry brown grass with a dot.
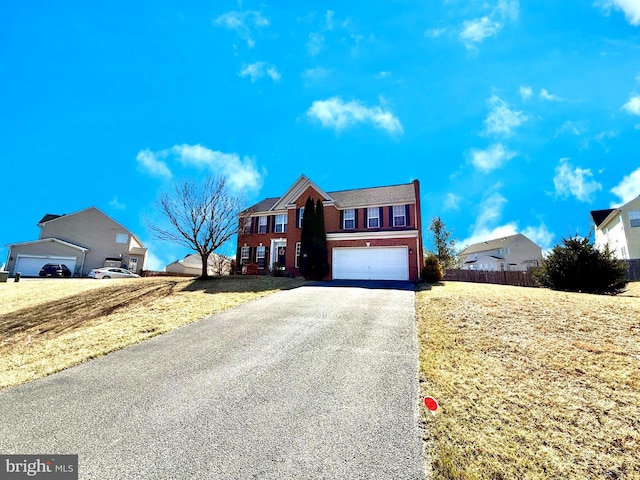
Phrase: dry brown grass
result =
(71, 321)
(532, 383)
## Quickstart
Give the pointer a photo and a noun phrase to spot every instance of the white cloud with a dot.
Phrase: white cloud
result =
(329, 19)
(578, 182)
(241, 174)
(633, 105)
(383, 74)
(242, 23)
(491, 158)
(337, 114)
(628, 188)
(630, 8)
(570, 127)
(452, 201)
(525, 92)
(545, 95)
(540, 235)
(501, 119)
(315, 43)
(151, 164)
(114, 203)
(475, 31)
(488, 225)
(259, 70)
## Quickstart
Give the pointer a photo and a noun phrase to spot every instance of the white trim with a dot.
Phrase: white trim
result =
(51, 239)
(293, 193)
(273, 256)
(372, 235)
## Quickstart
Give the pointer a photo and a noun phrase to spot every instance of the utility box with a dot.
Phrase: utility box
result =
(4, 276)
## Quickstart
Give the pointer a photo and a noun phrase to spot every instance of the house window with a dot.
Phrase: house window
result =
(300, 217)
(245, 226)
(373, 217)
(262, 224)
(281, 223)
(261, 256)
(244, 255)
(298, 251)
(634, 218)
(122, 238)
(399, 219)
(349, 219)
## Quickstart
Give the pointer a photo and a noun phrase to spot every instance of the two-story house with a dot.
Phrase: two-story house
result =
(372, 233)
(619, 228)
(83, 240)
(506, 254)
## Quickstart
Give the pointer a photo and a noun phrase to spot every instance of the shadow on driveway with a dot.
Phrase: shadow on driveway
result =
(371, 284)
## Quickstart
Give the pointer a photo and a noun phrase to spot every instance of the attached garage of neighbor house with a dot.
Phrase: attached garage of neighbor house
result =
(29, 266)
(370, 263)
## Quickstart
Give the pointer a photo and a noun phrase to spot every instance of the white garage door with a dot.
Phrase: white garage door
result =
(30, 266)
(372, 263)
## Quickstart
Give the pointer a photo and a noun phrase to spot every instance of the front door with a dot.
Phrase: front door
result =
(133, 264)
(282, 255)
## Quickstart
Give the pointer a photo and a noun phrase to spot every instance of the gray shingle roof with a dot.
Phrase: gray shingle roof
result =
(491, 244)
(360, 197)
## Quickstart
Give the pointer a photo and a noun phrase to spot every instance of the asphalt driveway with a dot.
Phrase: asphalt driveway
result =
(316, 382)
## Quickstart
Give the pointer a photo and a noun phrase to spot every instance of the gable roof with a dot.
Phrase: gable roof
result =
(600, 216)
(360, 197)
(495, 244)
(49, 217)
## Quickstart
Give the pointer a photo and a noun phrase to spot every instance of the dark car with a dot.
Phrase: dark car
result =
(55, 270)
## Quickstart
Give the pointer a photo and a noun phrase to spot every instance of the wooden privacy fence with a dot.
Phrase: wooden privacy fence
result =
(633, 272)
(520, 279)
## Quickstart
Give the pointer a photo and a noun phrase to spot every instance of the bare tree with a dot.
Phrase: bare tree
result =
(201, 216)
(220, 264)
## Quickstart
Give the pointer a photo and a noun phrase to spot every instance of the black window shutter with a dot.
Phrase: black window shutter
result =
(266, 257)
(252, 254)
(391, 216)
(254, 227)
(341, 219)
(380, 221)
(407, 211)
(297, 217)
(355, 215)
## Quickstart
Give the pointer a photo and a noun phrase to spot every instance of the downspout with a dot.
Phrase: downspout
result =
(84, 254)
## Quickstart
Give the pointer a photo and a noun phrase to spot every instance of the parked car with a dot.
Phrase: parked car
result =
(112, 272)
(55, 270)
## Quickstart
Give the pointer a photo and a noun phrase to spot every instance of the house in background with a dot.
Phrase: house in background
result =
(619, 228)
(507, 254)
(192, 265)
(82, 241)
(372, 233)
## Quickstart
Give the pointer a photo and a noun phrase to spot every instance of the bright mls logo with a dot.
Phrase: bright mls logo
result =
(49, 467)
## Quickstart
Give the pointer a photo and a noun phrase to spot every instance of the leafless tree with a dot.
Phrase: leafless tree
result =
(201, 216)
(220, 264)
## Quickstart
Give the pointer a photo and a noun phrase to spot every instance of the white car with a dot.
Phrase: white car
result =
(112, 272)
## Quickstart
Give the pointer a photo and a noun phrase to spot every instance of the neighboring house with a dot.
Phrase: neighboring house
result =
(192, 265)
(372, 233)
(507, 254)
(83, 240)
(619, 228)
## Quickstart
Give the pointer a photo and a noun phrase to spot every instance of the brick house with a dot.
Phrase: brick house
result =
(372, 233)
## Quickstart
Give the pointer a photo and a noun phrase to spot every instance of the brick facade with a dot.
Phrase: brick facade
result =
(271, 243)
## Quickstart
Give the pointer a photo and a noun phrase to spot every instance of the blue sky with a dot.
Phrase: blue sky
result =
(515, 116)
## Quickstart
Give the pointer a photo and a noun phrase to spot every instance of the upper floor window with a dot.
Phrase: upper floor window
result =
(281, 223)
(373, 217)
(122, 238)
(262, 224)
(349, 219)
(300, 217)
(634, 218)
(399, 216)
(245, 226)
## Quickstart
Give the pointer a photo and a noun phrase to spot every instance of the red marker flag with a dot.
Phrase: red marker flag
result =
(431, 404)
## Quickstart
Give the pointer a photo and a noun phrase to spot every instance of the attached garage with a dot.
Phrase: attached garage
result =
(370, 263)
(30, 265)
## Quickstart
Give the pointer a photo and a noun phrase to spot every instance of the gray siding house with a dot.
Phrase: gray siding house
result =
(83, 240)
